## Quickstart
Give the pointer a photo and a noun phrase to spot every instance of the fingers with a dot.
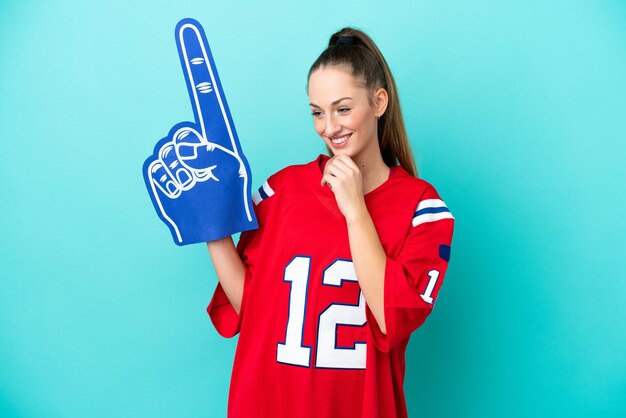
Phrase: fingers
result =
(197, 154)
(168, 175)
(328, 180)
(341, 167)
(171, 163)
(332, 173)
(203, 84)
(186, 141)
(162, 180)
(346, 161)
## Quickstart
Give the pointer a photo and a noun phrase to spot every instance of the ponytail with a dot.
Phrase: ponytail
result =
(353, 48)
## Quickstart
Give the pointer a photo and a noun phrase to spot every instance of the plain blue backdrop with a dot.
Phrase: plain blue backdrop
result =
(516, 112)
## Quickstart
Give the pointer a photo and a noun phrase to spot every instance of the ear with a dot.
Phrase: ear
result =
(381, 100)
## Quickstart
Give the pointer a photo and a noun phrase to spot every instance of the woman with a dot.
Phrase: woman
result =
(348, 259)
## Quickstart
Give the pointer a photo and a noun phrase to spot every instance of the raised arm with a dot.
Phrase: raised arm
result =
(235, 268)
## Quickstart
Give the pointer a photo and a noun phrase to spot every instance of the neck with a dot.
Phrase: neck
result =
(373, 169)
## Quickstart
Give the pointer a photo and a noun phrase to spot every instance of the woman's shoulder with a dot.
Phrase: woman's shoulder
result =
(408, 184)
(296, 174)
(285, 181)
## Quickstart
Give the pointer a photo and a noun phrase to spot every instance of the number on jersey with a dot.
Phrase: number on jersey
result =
(293, 351)
(328, 355)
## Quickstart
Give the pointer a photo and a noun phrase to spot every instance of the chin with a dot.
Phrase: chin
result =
(342, 152)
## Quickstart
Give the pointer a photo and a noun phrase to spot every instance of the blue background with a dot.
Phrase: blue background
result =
(516, 113)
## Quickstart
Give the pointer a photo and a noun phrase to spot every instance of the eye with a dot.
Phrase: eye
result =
(316, 114)
(343, 110)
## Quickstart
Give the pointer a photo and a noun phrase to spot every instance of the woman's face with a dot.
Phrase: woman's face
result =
(342, 114)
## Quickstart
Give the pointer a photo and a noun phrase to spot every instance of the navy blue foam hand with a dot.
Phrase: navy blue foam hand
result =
(198, 178)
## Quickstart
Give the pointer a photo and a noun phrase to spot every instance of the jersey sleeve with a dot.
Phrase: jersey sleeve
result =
(222, 313)
(414, 277)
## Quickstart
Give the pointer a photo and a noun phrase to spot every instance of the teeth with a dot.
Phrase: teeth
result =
(340, 140)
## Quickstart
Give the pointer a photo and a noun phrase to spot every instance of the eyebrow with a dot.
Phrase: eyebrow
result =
(332, 104)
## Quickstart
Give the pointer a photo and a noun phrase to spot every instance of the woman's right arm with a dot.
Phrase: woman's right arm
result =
(229, 268)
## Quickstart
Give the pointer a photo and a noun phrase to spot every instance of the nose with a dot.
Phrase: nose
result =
(332, 127)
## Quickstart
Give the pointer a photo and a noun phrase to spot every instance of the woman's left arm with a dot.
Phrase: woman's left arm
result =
(369, 260)
(368, 255)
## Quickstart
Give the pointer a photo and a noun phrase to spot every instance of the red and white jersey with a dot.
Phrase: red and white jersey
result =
(308, 344)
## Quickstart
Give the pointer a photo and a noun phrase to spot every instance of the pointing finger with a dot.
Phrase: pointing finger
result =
(204, 86)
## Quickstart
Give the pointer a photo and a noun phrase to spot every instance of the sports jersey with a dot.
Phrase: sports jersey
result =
(308, 344)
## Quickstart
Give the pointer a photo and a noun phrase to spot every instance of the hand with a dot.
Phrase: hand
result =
(344, 178)
(197, 178)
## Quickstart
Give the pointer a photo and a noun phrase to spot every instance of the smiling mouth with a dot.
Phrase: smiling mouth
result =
(340, 140)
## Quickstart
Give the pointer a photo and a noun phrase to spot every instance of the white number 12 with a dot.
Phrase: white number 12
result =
(328, 355)
(293, 351)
